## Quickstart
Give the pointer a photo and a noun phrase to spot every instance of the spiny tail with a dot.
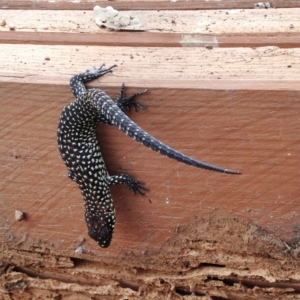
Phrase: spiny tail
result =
(118, 118)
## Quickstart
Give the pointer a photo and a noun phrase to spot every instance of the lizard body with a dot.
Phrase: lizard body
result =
(79, 149)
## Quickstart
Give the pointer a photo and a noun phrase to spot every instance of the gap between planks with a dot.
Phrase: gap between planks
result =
(150, 39)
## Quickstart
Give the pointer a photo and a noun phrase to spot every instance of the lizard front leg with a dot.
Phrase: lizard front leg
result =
(77, 81)
(135, 186)
(128, 102)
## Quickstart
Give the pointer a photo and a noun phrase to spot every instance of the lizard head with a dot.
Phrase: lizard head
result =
(101, 227)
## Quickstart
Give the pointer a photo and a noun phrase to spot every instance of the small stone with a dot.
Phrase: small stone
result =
(11, 27)
(110, 18)
(267, 5)
(2, 23)
(47, 58)
(259, 5)
(80, 250)
(19, 215)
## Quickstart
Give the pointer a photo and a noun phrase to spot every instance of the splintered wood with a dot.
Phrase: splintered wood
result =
(196, 233)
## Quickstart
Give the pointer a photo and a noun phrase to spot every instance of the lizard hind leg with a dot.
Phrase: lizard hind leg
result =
(128, 102)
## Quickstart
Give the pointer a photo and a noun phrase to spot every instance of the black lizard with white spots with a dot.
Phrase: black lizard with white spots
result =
(79, 149)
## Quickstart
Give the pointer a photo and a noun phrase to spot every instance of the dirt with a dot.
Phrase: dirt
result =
(207, 259)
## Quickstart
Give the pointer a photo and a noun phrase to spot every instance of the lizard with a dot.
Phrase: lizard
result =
(79, 149)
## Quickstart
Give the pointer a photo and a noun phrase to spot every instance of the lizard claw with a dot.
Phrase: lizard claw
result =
(137, 187)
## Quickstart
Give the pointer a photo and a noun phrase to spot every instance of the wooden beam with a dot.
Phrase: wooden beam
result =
(245, 123)
(243, 129)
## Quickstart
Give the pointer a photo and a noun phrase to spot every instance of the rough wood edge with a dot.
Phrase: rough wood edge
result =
(213, 267)
(209, 84)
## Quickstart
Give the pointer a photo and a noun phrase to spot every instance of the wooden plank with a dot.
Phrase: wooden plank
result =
(180, 65)
(206, 22)
(142, 5)
(177, 29)
(266, 193)
(245, 120)
(148, 39)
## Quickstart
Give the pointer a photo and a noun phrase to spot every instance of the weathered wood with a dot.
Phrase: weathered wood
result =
(177, 67)
(214, 22)
(246, 125)
(197, 234)
(142, 5)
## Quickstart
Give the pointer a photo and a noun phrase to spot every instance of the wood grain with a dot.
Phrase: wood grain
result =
(183, 66)
(203, 22)
(148, 39)
(245, 126)
(210, 95)
(142, 5)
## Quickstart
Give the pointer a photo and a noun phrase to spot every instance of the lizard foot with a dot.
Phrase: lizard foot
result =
(97, 72)
(128, 102)
(136, 187)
